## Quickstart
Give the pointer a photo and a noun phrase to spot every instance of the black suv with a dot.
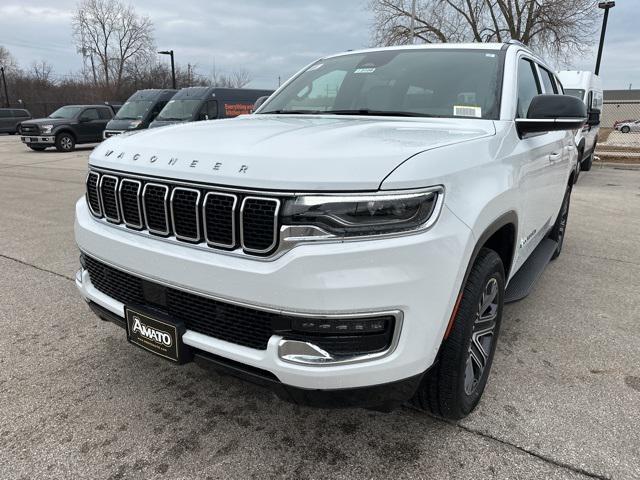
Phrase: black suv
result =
(67, 127)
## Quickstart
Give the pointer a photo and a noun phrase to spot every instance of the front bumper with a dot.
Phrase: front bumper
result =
(38, 139)
(418, 275)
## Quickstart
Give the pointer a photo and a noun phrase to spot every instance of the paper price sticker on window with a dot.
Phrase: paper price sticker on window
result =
(365, 70)
(467, 111)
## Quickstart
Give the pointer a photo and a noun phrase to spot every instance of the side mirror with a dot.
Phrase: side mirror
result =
(549, 113)
(259, 103)
(594, 118)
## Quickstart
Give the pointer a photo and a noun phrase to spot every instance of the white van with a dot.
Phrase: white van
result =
(587, 87)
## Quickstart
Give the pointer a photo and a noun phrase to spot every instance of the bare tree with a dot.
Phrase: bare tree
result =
(41, 71)
(234, 79)
(8, 61)
(555, 27)
(112, 36)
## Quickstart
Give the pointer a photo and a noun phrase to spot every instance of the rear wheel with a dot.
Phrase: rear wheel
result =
(586, 164)
(560, 227)
(454, 385)
(65, 142)
(37, 148)
(625, 129)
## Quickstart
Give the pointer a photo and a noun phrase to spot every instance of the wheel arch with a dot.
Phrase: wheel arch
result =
(69, 131)
(500, 236)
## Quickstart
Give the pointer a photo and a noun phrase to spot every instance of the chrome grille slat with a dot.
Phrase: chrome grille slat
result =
(93, 196)
(219, 219)
(256, 216)
(213, 217)
(186, 225)
(156, 213)
(109, 198)
(131, 214)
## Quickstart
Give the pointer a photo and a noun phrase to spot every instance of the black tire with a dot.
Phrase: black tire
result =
(587, 163)
(65, 142)
(450, 389)
(625, 129)
(37, 148)
(559, 229)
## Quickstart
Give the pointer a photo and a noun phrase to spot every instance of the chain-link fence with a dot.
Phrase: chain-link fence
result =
(619, 137)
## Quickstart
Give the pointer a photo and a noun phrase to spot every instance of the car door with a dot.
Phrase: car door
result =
(541, 155)
(5, 120)
(90, 125)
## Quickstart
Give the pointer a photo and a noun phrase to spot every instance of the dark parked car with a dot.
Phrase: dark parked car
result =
(66, 127)
(207, 103)
(138, 111)
(10, 119)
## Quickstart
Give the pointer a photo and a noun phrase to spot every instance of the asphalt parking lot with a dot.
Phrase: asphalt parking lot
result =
(77, 401)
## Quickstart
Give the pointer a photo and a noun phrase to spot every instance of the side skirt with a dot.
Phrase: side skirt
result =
(522, 283)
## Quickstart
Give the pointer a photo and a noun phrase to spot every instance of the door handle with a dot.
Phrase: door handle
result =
(554, 157)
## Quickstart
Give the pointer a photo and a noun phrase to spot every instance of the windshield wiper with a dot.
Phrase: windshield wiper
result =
(296, 112)
(382, 113)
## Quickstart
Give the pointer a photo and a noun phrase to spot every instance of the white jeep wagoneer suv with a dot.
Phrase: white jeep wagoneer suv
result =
(353, 241)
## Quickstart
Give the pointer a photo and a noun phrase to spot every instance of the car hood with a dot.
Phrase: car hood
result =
(284, 152)
(48, 121)
(121, 124)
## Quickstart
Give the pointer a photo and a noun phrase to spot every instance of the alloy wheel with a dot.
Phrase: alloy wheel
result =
(482, 336)
(66, 143)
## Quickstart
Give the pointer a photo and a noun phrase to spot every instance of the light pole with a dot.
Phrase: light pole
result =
(413, 21)
(173, 68)
(4, 81)
(605, 6)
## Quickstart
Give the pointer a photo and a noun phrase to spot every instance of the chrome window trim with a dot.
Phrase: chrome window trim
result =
(166, 210)
(124, 218)
(86, 184)
(173, 220)
(233, 219)
(275, 224)
(395, 312)
(115, 196)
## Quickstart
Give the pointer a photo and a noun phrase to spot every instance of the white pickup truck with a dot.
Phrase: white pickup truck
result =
(353, 241)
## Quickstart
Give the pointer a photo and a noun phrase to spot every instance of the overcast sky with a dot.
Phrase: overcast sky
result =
(269, 38)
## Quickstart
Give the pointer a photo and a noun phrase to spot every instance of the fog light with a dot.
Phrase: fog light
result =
(342, 325)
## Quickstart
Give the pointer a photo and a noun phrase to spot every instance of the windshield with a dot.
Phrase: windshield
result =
(179, 110)
(438, 83)
(134, 110)
(575, 92)
(65, 112)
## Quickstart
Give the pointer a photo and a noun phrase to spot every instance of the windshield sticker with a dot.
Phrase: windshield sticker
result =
(490, 55)
(467, 111)
(365, 70)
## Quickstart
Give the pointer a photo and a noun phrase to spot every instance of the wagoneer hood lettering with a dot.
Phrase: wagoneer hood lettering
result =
(284, 152)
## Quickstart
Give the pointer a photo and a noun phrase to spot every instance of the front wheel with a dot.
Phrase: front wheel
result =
(625, 129)
(65, 142)
(454, 385)
(560, 227)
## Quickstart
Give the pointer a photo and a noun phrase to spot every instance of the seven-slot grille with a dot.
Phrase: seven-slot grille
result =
(225, 220)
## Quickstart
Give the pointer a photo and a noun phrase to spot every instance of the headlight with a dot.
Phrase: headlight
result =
(46, 128)
(362, 215)
(135, 124)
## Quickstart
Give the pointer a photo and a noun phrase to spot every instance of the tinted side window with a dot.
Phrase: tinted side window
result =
(91, 114)
(547, 81)
(528, 87)
(5, 113)
(105, 113)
